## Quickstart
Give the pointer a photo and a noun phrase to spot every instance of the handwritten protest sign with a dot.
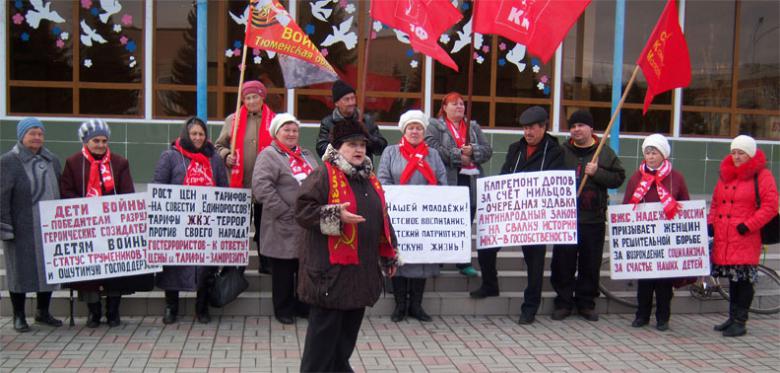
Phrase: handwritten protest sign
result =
(198, 225)
(94, 238)
(532, 208)
(644, 244)
(432, 223)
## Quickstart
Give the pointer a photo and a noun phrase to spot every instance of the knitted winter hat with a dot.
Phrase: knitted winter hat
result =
(92, 128)
(412, 116)
(659, 142)
(280, 120)
(27, 124)
(347, 129)
(581, 116)
(745, 143)
(253, 86)
(341, 89)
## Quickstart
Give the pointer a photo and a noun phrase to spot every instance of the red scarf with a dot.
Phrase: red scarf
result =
(298, 165)
(671, 207)
(263, 139)
(459, 135)
(415, 161)
(199, 170)
(99, 173)
(343, 249)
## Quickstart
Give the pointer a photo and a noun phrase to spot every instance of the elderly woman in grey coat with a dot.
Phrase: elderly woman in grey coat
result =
(191, 160)
(30, 174)
(411, 162)
(279, 171)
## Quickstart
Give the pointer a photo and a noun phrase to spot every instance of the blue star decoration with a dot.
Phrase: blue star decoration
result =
(409, 53)
(130, 46)
(25, 36)
(56, 31)
(237, 44)
(547, 90)
(535, 61)
(465, 6)
(18, 4)
(94, 11)
(501, 62)
(308, 29)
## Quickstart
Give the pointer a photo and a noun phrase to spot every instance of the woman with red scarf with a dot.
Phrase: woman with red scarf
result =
(347, 239)
(411, 162)
(735, 222)
(656, 181)
(93, 172)
(463, 149)
(191, 160)
(279, 171)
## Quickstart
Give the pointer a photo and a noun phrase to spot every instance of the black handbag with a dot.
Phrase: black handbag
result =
(770, 232)
(226, 285)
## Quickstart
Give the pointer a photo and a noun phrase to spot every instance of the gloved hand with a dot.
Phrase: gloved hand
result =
(742, 229)
(710, 230)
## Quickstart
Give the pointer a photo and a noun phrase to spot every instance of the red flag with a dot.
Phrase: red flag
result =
(665, 61)
(540, 25)
(423, 20)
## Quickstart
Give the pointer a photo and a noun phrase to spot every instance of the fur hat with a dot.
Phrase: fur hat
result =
(745, 143)
(92, 128)
(27, 124)
(253, 86)
(280, 120)
(581, 116)
(534, 114)
(347, 129)
(341, 89)
(412, 116)
(659, 142)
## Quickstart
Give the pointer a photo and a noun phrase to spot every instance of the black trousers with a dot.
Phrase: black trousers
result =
(42, 301)
(258, 213)
(487, 263)
(284, 274)
(534, 262)
(663, 289)
(330, 339)
(465, 180)
(584, 258)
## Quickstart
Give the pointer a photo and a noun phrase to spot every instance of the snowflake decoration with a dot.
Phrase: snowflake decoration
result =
(409, 53)
(414, 64)
(257, 60)
(237, 44)
(536, 69)
(56, 30)
(324, 52)
(236, 52)
(377, 26)
(24, 36)
(501, 62)
(88, 63)
(59, 43)
(350, 8)
(540, 85)
(86, 4)
(18, 18)
(475, 55)
(64, 36)
(18, 4)
(502, 46)
(117, 28)
(547, 90)
(127, 19)
(373, 34)
(444, 38)
(480, 59)
(228, 53)
(132, 62)
(123, 40)
(130, 46)
(485, 49)
(343, 3)
(535, 61)
(465, 5)
(544, 79)
(255, 51)
(308, 29)
(94, 11)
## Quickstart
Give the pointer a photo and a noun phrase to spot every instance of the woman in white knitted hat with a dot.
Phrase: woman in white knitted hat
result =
(735, 223)
(656, 181)
(411, 162)
(279, 171)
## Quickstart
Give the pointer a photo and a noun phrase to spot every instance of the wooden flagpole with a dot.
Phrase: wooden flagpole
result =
(364, 72)
(609, 126)
(242, 66)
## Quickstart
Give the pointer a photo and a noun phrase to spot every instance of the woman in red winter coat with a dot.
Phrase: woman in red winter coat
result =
(656, 181)
(735, 223)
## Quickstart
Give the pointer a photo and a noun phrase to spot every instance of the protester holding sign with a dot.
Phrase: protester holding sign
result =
(656, 181)
(347, 239)
(191, 160)
(29, 174)
(279, 171)
(95, 171)
(584, 259)
(252, 136)
(411, 162)
(463, 149)
(735, 223)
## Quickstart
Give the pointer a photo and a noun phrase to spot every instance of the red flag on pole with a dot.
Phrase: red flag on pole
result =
(423, 20)
(540, 25)
(665, 60)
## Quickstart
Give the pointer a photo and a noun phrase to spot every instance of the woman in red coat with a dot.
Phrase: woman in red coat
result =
(735, 223)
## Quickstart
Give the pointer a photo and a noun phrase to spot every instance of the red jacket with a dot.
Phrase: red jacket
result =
(734, 202)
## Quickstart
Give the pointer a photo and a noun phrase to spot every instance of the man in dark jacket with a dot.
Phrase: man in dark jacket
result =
(345, 100)
(585, 256)
(536, 151)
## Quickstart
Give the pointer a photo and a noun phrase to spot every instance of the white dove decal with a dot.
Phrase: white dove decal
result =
(90, 35)
(111, 7)
(516, 55)
(464, 38)
(402, 36)
(242, 19)
(341, 34)
(319, 11)
(42, 12)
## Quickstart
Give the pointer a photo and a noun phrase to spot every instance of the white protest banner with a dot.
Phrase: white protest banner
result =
(644, 244)
(94, 238)
(191, 225)
(529, 208)
(432, 223)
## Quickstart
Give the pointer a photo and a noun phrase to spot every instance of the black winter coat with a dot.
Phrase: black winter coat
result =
(376, 143)
(594, 199)
(548, 156)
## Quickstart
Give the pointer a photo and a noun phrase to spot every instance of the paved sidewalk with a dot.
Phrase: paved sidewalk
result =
(453, 343)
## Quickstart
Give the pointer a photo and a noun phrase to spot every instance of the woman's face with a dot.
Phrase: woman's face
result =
(98, 145)
(455, 110)
(354, 151)
(197, 136)
(288, 134)
(33, 139)
(653, 158)
(253, 102)
(739, 157)
(414, 133)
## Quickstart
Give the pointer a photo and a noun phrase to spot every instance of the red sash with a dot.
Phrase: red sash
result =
(263, 139)
(99, 172)
(415, 158)
(199, 170)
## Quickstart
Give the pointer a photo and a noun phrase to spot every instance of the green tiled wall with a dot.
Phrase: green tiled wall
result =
(142, 144)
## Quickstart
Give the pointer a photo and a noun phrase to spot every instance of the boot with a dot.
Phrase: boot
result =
(416, 290)
(487, 263)
(42, 315)
(20, 322)
(171, 307)
(93, 319)
(112, 310)
(202, 307)
(400, 289)
(732, 306)
(743, 297)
